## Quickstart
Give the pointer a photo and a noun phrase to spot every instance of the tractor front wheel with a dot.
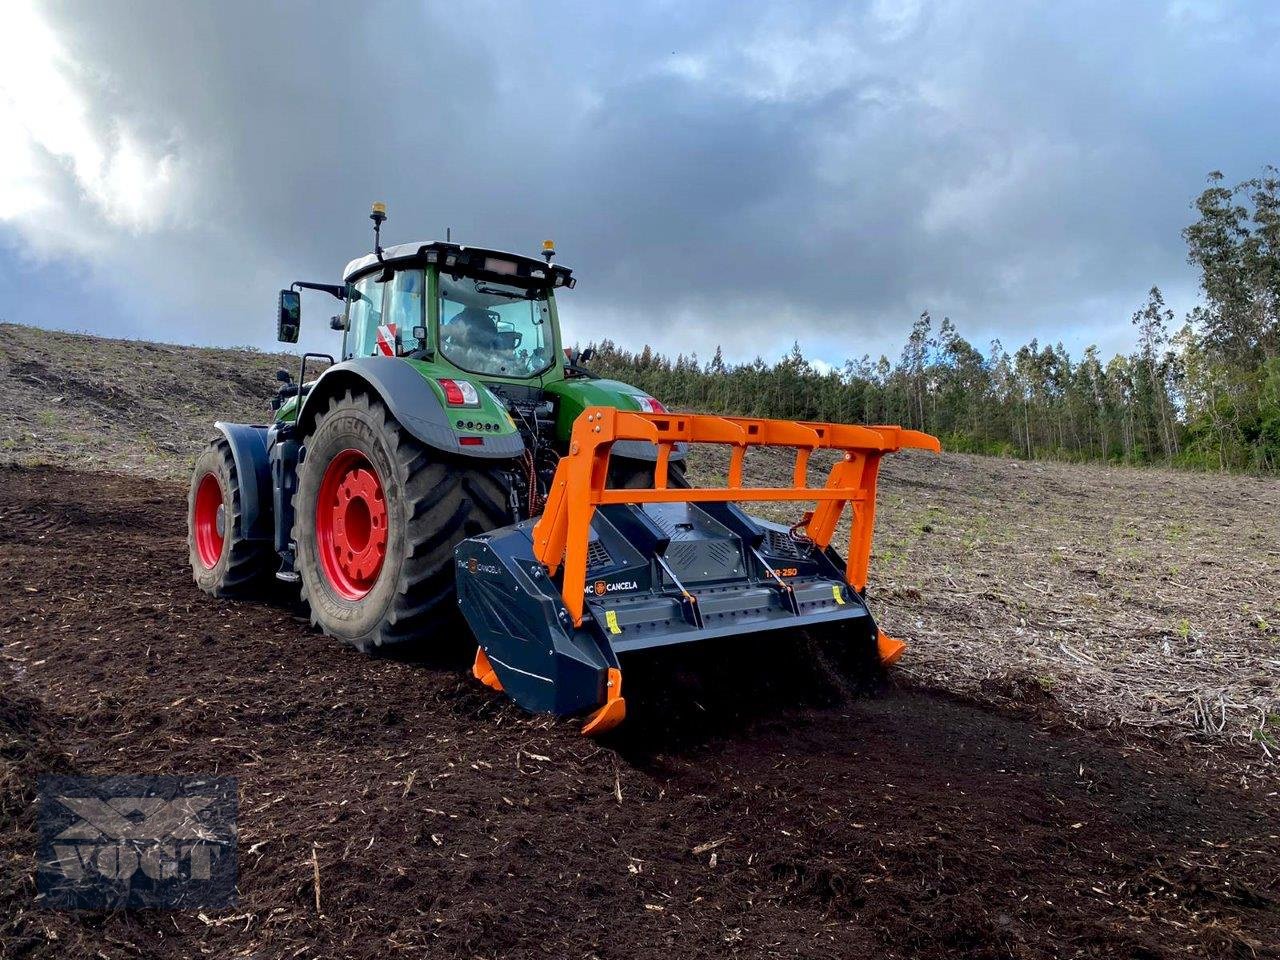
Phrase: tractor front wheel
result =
(377, 517)
(223, 562)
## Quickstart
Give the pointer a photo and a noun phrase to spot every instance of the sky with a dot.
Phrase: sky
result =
(743, 175)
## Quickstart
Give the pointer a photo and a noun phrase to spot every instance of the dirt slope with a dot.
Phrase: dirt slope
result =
(123, 404)
(446, 823)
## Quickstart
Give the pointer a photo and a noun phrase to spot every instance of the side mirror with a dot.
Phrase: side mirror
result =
(587, 355)
(290, 319)
(338, 323)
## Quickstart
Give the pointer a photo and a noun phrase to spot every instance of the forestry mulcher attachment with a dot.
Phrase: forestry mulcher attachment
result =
(555, 602)
(457, 451)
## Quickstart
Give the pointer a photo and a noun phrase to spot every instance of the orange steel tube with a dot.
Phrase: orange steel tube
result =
(561, 535)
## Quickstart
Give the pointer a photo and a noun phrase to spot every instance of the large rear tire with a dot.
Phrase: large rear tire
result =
(223, 562)
(377, 517)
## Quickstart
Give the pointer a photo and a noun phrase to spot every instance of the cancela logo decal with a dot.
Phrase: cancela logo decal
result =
(601, 587)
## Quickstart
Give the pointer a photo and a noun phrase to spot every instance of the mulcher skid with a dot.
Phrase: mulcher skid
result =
(604, 573)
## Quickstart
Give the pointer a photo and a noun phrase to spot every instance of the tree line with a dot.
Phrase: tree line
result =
(1204, 392)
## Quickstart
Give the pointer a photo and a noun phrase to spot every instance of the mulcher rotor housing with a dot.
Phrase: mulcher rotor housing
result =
(557, 602)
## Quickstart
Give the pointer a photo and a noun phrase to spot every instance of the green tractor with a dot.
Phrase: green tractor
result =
(445, 416)
(458, 452)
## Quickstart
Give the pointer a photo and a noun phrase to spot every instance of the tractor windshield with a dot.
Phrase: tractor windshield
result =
(493, 328)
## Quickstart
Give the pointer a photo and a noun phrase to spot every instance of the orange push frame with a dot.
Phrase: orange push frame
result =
(561, 535)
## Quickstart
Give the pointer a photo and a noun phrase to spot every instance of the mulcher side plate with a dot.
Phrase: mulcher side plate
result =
(658, 574)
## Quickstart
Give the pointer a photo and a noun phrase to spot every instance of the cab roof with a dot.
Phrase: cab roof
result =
(497, 265)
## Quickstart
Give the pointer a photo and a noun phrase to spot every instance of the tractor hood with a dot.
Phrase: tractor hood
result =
(575, 395)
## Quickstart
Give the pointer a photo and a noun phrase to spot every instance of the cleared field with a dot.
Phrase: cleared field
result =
(1147, 599)
(1074, 758)
(125, 405)
(758, 813)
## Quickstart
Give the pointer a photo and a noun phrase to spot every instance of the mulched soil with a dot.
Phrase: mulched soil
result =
(444, 822)
(1143, 601)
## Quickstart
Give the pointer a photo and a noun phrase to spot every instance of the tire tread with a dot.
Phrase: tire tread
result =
(248, 561)
(447, 500)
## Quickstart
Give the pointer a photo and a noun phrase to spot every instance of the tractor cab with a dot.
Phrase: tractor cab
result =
(485, 313)
(463, 344)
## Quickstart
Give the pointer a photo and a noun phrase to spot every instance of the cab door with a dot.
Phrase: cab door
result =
(407, 307)
(364, 316)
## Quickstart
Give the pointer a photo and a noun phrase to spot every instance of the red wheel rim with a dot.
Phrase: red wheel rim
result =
(209, 522)
(351, 525)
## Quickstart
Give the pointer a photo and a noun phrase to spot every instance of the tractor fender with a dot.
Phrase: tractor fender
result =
(411, 400)
(248, 444)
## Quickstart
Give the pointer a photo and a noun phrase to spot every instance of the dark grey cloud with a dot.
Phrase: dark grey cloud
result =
(716, 173)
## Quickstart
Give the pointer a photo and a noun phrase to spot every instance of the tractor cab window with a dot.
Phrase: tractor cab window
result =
(405, 303)
(364, 316)
(495, 329)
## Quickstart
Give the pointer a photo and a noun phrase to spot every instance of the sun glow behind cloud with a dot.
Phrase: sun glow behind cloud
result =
(57, 157)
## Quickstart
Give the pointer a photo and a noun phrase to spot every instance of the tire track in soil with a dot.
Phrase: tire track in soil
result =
(28, 522)
(447, 822)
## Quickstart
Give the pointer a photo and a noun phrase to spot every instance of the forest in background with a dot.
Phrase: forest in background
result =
(1203, 392)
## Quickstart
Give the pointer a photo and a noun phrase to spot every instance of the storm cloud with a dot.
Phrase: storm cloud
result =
(716, 173)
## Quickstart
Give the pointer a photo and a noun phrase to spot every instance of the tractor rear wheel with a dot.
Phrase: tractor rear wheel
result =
(377, 517)
(223, 562)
